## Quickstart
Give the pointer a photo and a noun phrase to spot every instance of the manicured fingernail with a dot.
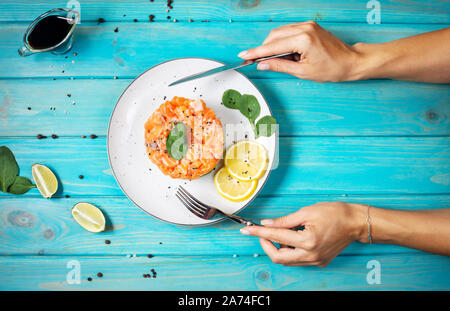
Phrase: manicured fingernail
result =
(245, 231)
(242, 54)
(263, 66)
(265, 222)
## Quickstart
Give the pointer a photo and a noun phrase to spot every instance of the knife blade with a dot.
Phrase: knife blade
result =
(235, 65)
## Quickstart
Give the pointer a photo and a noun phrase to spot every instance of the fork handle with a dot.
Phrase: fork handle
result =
(237, 219)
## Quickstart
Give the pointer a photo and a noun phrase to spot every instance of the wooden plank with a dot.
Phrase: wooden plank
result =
(35, 226)
(307, 165)
(302, 108)
(236, 10)
(102, 52)
(398, 272)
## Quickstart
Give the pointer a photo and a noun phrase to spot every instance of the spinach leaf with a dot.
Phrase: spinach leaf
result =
(266, 126)
(249, 107)
(231, 99)
(176, 142)
(8, 168)
(21, 185)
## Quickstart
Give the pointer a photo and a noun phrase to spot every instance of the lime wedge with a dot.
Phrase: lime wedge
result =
(45, 180)
(89, 217)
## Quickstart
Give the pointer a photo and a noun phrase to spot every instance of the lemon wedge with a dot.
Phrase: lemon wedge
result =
(45, 180)
(89, 217)
(246, 160)
(231, 188)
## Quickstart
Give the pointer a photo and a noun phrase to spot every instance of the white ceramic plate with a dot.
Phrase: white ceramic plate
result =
(139, 178)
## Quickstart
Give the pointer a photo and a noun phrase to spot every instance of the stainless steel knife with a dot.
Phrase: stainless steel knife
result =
(236, 65)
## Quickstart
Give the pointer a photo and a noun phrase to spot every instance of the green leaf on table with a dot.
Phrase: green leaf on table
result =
(8, 168)
(176, 142)
(21, 185)
(266, 126)
(231, 99)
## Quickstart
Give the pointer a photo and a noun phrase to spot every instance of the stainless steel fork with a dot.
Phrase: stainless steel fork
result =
(205, 211)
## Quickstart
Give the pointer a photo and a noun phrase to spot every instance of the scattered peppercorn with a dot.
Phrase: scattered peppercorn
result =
(89, 279)
(39, 136)
(100, 274)
(151, 17)
(67, 196)
(54, 136)
(75, 53)
(135, 20)
(150, 256)
(100, 20)
(68, 95)
(29, 108)
(93, 136)
(190, 20)
(107, 242)
(81, 177)
(117, 29)
(83, 136)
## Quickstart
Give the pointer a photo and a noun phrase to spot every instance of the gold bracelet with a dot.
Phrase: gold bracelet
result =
(369, 226)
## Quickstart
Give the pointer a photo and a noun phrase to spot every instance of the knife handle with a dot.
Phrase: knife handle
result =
(257, 60)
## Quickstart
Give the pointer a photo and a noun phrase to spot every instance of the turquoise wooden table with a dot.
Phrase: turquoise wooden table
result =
(384, 143)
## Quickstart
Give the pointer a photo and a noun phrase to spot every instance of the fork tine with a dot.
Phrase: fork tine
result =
(193, 203)
(202, 205)
(192, 207)
(206, 210)
(188, 206)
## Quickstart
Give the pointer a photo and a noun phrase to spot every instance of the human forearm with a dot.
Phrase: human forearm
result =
(424, 230)
(423, 58)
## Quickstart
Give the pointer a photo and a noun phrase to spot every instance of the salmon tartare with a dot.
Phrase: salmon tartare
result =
(204, 138)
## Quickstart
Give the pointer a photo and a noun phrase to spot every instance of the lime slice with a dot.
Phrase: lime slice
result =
(246, 160)
(89, 217)
(45, 180)
(231, 188)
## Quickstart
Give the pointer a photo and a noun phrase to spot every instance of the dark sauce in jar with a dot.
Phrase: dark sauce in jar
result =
(49, 32)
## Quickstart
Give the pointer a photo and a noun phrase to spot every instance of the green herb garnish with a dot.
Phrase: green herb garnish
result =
(176, 142)
(266, 126)
(249, 106)
(9, 170)
(231, 98)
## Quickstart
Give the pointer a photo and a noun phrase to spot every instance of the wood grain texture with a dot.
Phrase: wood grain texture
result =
(302, 108)
(424, 11)
(398, 272)
(102, 52)
(35, 226)
(307, 165)
(363, 146)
